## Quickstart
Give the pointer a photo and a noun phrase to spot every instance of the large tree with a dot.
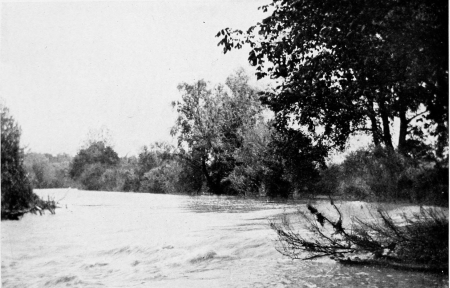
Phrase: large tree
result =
(211, 125)
(351, 67)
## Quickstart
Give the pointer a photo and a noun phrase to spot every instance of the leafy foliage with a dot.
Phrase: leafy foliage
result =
(211, 126)
(223, 133)
(89, 164)
(48, 171)
(378, 173)
(351, 67)
(16, 189)
(300, 158)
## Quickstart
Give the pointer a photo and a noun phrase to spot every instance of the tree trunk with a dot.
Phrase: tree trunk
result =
(403, 131)
(374, 124)
(387, 138)
(211, 185)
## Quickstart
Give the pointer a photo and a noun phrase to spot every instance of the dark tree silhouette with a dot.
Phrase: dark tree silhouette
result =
(16, 189)
(352, 66)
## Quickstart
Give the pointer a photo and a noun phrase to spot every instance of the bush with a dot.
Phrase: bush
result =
(378, 168)
(431, 185)
(382, 174)
(48, 171)
(329, 180)
(155, 181)
(91, 177)
(130, 180)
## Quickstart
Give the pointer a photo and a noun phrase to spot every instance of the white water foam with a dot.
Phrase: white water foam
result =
(108, 239)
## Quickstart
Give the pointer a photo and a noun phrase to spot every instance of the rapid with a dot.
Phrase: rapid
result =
(112, 239)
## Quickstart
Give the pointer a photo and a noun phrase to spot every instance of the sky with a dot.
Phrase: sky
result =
(70, 68)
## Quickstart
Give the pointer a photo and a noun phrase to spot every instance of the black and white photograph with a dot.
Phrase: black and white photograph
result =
(224, 143)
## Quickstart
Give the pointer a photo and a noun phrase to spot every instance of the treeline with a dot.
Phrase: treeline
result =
(228, 143)
(156, 169)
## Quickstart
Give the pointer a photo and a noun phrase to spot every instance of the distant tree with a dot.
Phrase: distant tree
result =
(16, 188)
(147, 160)
(48, 171)
(351, 67)
(39, 170)
(128, 167)
(102, 134)
(90, 163)
(91, 177)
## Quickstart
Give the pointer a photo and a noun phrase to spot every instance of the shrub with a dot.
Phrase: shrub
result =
(382, 174)
(329, 180)
(48, 171)
(431, 185)
(154, 181)
(130, 180)
(91, 177)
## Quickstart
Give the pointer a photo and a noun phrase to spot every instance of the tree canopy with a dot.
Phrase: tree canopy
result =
(223, 132)
(90, 163)
(211, 124)
(351, 67)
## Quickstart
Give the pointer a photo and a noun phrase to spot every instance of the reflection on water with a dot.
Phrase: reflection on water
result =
(106, 239)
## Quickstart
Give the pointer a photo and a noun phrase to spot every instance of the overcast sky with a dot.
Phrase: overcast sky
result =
(67, 68)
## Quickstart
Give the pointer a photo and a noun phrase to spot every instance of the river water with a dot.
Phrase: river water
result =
(110, 239)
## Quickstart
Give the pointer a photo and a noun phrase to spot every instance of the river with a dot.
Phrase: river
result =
(111, 239)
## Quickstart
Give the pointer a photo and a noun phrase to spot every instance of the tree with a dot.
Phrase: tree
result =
(351, 67)
(294, 156)
(147, 160)
(210, 126)
(102, 134)
(16, 189)
(90, 163)
(248, 177)
(48, 171)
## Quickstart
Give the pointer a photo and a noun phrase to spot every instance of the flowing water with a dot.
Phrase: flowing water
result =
(108, 239)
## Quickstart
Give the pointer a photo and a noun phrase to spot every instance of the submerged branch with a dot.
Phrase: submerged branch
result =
(405, 245)
(38, 206)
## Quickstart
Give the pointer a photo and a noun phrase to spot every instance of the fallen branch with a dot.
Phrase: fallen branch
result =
(38, 207)
(419, 243)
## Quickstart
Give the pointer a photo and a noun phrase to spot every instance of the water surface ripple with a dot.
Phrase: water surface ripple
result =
(109, 239)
